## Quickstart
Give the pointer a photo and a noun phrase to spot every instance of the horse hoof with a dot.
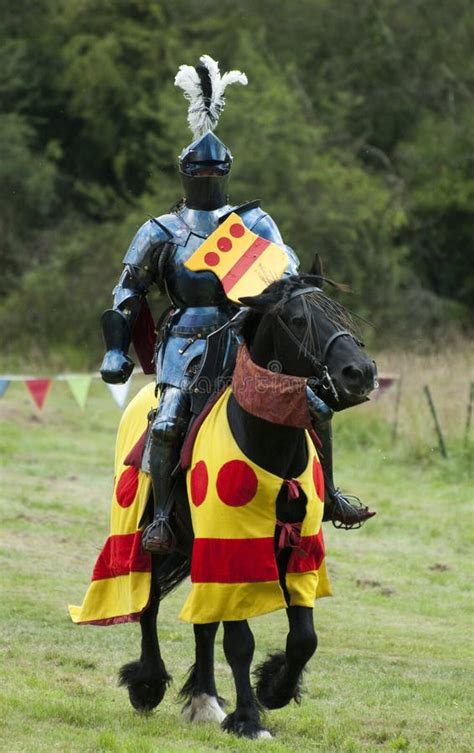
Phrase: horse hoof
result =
(146, 687)
(273, 690)
(245, 724)
(203, 708)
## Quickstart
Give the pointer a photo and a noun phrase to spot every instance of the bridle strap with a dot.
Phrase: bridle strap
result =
(340, 333)
(303, 291)
(309, 356)
(320, 365)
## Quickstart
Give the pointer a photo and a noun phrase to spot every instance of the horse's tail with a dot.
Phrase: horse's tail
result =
(171, 571)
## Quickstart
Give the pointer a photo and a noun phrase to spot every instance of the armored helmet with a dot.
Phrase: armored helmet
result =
(205, 164)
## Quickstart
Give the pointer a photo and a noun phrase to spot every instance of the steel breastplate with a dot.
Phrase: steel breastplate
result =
(187, 230)
(186, 288)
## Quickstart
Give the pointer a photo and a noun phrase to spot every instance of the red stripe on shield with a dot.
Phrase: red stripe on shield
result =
(248, 258)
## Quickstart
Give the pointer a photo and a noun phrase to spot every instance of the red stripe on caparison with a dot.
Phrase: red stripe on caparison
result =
(233, 561)
(121, 555)
(308, 555)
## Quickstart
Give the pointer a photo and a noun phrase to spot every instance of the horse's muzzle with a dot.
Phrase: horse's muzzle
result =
(356, 381)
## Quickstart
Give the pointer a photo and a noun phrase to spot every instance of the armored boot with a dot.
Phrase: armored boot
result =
(167, 435)
(345, 511)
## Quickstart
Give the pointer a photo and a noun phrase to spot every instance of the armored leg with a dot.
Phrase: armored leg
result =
(344, 511)
(168, 431)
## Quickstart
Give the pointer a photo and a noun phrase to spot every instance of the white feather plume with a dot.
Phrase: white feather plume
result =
(204, 112)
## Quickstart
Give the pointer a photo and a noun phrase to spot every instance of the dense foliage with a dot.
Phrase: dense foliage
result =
(356, 131)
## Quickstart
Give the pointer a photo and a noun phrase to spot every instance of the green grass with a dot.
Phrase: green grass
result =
(393, 671)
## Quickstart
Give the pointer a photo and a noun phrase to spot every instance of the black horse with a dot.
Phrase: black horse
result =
(309, 335)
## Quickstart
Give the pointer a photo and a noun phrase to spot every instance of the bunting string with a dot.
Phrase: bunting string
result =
(79, 384)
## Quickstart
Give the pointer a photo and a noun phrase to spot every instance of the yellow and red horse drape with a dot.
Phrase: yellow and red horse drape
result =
(233, 506)
(244, 262)
(120, 587)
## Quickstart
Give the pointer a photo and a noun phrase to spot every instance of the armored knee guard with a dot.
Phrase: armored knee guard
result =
(167, 436)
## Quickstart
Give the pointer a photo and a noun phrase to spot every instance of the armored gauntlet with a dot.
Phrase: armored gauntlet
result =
(117, 365)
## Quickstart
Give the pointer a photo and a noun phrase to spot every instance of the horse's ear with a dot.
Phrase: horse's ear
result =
(317, 267)
(260, 302)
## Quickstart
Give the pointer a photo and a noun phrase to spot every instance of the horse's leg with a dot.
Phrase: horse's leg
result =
(147, 679)
(279, 677)
(239, 647)
(199, 691)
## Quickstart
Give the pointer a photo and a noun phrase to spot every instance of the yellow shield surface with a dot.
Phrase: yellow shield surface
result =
(244, 262)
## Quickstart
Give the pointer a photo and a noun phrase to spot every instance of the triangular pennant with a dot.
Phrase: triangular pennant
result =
(384, 383)
(38, 389)
(79, 386)
(120, 392)
(3, 386)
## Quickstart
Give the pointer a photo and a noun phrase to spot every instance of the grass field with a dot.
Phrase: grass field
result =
(393, 671)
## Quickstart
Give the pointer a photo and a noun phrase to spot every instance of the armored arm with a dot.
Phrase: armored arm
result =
(117, 327)
(144, 264)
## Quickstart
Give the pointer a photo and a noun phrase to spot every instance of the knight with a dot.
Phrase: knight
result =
(159, 256)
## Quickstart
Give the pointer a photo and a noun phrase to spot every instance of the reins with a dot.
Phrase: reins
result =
(323, 378)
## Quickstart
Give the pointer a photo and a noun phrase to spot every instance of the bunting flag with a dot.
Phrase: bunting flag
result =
(120, 392)
(244, 262)
(38, 389)
(79, 386)
(385, 382)
(3, 386)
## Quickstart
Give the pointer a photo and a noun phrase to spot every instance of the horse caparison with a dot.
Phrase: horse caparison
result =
(294, 323)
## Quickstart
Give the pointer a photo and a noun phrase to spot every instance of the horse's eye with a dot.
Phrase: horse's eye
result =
(298, 321)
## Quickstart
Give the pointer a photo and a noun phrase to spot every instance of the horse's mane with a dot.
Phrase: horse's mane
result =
(277, 295)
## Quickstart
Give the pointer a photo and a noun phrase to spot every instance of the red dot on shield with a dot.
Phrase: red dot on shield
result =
(318, 479)
(211, 259)
(127, 486)
(224, 244)
(237, 230)
(236, 483)
(199, 483)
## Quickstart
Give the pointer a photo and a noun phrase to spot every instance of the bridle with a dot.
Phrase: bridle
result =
(323, 379)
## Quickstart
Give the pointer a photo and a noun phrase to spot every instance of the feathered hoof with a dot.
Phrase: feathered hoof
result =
(273, 690)
(246, 724)
(203, 708)
(146, 685)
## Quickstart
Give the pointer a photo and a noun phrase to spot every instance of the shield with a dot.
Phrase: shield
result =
(244, 262)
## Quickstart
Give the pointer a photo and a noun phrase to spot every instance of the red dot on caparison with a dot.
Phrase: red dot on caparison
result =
(237, 230)
(318, 479)
(224, 244)
(236, 483)
(199, 483)
(211, 259)
(127, 486)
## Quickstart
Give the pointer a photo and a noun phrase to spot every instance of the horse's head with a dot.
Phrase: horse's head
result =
(293, 327)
